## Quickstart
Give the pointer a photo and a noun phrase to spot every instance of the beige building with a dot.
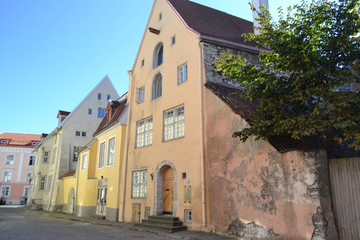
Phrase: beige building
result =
(57, 153)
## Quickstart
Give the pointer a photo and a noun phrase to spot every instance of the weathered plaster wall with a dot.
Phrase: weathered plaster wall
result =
(255, 191)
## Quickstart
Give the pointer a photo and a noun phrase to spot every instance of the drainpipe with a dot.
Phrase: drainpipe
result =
(202, 138)
(124, 175)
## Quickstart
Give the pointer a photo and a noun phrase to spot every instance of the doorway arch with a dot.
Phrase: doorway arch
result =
(159, 187)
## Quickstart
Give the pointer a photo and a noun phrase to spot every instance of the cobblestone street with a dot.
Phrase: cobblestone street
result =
(23, 223)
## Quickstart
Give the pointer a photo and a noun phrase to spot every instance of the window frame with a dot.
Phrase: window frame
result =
(11, 161)
(27, 179)
(147, 133)
(156, 86)
(33, 160)
(99, 96)
(46, 157)
(84, 163)
(188, 216)
(158, 55)
(101, 112)
(140, 95)
(104, 156)
(8, 192)
(42, 183)
(28, 191)
(140, 194)
(175, 124)
(181, 80)
(108, 163)
(7, 175)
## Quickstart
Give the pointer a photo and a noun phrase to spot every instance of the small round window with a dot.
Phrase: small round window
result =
(33, 143)
(3, 141)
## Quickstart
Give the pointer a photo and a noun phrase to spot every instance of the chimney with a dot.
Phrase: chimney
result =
(257, 4)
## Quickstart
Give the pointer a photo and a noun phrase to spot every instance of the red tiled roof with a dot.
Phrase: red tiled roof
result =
(118, 108)
(213, 24)
(19, 140)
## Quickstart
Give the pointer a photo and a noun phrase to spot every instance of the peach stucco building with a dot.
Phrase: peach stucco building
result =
(17, 165)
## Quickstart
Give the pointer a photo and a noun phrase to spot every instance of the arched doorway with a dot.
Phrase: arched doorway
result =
(165, 197)
(168, 190)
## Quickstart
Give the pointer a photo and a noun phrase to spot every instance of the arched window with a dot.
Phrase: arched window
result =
(156, 90)
(158, 55)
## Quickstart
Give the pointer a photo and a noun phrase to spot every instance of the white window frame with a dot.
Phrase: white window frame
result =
(101, 159)
(111, 154)
(174, 128)
(33, 160)
(144, 135)
(139, 183)
(8, 192)
(29, 179)
(140, 95)
(10, 161)
(157, 55)
(188, 215)
(42, 182)
(46, 156)
(156, 86)
(84, 160)
(8, 179)
(27, 189)
(182, 73)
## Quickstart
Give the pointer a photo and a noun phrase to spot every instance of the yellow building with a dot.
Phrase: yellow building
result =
(94, 190)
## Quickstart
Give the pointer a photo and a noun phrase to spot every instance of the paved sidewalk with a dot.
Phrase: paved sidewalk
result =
(190, 235)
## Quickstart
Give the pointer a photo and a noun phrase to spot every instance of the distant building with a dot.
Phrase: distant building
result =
(57, 153)
(17, 166)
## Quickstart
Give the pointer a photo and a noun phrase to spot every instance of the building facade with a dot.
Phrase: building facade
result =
(17, 162)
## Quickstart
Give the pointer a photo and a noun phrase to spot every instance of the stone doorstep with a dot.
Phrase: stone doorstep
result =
(162, 223)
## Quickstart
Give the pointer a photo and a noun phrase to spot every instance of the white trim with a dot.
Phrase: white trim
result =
(82, 168)
(3, 176)
(98, 162)
(108, 149)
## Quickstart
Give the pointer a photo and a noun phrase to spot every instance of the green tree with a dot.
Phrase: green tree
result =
(301, 83)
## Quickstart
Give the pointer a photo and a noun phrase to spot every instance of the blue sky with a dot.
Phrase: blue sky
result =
(53, 53)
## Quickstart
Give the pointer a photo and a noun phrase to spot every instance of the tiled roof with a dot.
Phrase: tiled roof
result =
(61, 112)
(118, 108)
(19, 140)
(213, 24)
(68, 174)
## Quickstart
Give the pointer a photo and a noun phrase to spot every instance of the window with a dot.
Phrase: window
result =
(102, 155)
(32, 160)
(10, 159)
(33, 143)
(160, 16)
(90, 111)
(182, 73)
(5, 191)
(99, 96)
(29, 177)
(156, 90)
(26, 191)
(84, 158)
(111, 152)
(144, 132)
(3, 141)
(187, 194)
(49, 183)
(101, 112)
(76, 153)
(158, 55)
(139, 181)
(147, 212)
(46, 157)
(77, 133)
(7, 176)
(108, 97)
(83, 134)
(42, 183)
(174, 123)
(173, 40)
(142, 62)
(140, 95)
(188, 215)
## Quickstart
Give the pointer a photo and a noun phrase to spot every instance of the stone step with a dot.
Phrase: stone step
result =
(164, 218)
(162, 228)
(164, 223)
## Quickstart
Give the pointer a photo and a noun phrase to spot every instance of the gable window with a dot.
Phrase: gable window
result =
(140, 95)
(83, 134)
(139, 181)
(142, 62)
(101, 112)
(29, 177)
(10, 158)
(182, 73)
(7, 176)
(3, 141)
(102, 155)
(84, 158)
(173, 40)
(174, 123)
(77, 133)
(76, 153)
(42, 182)
(144, 132)
(32, 160)
(46, 157)
(158, 55)
(99, 96)
(90, 111)
(108, 97)
(5, 191)
(160, 16)
(111, 152)
(156, 90)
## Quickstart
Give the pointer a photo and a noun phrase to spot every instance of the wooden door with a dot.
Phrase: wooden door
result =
(168, 191)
